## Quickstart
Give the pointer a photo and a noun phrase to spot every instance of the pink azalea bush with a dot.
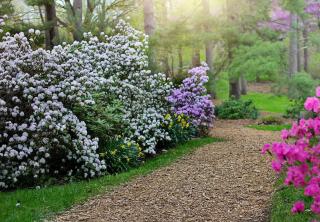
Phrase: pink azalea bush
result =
(298, 154)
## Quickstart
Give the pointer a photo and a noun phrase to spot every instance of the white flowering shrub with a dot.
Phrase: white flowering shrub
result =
(42, 91)
(39, 134)
(122, 60)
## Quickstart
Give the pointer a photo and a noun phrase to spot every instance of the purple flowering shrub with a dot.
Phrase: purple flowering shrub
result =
(192, 100)
(298, 155)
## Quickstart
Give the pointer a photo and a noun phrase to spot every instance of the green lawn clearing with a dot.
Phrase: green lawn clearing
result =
(268, 102)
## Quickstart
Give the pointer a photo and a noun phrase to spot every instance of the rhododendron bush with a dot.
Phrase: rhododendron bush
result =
(298, 154)
(192, 99)
(52, 103)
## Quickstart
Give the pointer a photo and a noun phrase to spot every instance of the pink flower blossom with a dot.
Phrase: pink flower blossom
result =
(298, 207)
(312, 104)
(298, 153)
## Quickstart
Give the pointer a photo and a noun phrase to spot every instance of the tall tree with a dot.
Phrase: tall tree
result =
(52, 33)
(77, 10)
(293, 45)
(208, 42)
(149, 17)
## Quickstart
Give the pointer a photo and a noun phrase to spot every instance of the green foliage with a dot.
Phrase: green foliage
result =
(300, 86)
(6, 7)
(296, 6)
(314, 68)
(295, 109)
(222, 86)
(237, 109)
(104, 119)
(36, 205)
(179, 129)
(262, 61)
(120, 155)
(271, 120)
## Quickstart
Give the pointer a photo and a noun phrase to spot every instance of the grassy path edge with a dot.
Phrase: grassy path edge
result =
(36, 205)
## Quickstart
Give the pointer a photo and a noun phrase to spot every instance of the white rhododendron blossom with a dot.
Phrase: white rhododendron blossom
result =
(122, 60)
(39, 134)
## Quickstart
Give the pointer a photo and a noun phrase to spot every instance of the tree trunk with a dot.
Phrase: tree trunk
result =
(196, 58)
(149, 19)
(243, 85)
(293, 47)
(52, 33)
(299, 60)
(235, 88)
(180, 55)
(77, 8)
(305, 34)
(208, 43)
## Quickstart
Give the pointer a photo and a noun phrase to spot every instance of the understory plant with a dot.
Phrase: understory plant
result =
(237, 109)
(298, 155)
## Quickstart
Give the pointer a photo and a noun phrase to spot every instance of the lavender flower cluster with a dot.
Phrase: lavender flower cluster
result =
(192, 100)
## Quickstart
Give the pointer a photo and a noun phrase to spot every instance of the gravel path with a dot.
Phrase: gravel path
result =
(226, 181)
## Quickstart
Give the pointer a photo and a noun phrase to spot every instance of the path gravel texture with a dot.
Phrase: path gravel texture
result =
(225, 181)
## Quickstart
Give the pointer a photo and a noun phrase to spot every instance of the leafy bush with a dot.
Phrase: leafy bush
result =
(301, 86)
(237, 109)
(40, 136)
(294, 110)
(271, 120)
(120, 155)
(179, 129)
(261, 61)
(298, 155)
(60, 109)
(192, 100)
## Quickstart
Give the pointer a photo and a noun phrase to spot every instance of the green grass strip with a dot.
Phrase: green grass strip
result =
(36, 205)
(270, 127)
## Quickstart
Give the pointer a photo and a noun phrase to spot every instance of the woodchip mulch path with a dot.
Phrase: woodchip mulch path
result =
(225, 181)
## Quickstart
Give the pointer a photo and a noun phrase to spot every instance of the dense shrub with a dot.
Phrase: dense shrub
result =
(301, 86)
(88, 107)
(122, 60)
(40, 135)
(298, 155)
(271, 120)
(192, 100)
(237, 109)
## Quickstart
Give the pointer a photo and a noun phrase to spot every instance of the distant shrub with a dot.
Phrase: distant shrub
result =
(271, 120)
(237, 109)
(301, 86)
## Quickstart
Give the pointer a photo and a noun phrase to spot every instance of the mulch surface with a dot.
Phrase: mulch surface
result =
(224, 181)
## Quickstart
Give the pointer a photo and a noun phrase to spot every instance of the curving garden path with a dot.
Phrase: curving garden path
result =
(226, 181)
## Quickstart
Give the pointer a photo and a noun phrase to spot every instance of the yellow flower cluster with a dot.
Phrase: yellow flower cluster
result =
(181, 119)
